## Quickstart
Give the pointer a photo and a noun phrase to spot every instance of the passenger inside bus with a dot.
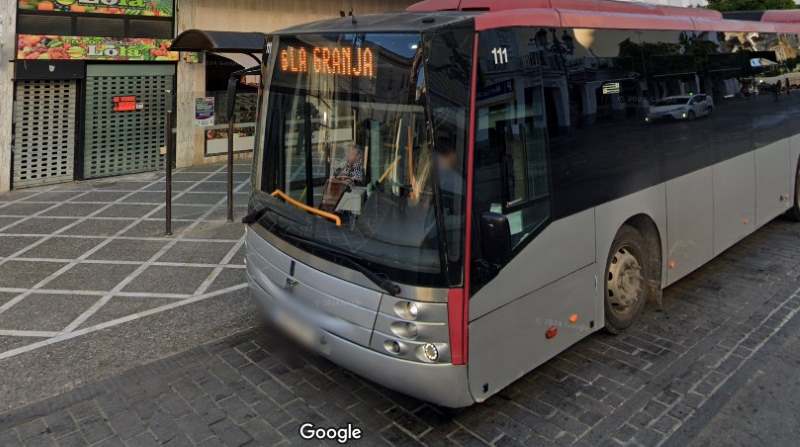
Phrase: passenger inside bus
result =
(354, 165)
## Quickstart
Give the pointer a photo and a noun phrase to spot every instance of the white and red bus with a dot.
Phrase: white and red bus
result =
(447, 197)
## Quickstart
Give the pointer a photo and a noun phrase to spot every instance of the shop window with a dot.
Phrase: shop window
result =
(100, 26)
(44, 24)
(150, 28)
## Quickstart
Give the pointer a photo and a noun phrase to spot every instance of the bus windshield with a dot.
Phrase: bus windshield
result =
(349, 159)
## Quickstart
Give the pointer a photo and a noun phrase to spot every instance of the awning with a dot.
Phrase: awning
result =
(219, 41)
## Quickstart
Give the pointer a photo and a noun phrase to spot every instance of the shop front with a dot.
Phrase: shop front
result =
(93, 81)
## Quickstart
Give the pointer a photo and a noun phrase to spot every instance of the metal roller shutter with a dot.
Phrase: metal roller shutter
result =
(124, 142)
(44, 132)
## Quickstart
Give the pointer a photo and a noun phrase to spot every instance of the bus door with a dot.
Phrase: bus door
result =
(537, 296)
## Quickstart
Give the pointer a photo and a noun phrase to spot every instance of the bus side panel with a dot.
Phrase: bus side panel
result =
(734, 200)
(565, 246)
(690, 223)
(772, 182)
(507, 343)
(794, 156)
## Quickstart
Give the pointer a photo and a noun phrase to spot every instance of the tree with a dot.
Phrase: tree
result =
(750, 5)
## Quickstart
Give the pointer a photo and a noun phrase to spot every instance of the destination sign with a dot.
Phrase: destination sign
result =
(333, 60)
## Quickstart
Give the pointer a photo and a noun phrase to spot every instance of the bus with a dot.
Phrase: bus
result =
(447, 197)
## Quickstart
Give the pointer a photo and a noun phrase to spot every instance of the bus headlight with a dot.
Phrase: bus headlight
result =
(407, 310)
(430, 352)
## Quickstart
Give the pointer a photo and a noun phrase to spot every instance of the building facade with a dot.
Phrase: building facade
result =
(85, 84)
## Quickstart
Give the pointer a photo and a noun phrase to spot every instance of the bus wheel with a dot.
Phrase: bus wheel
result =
(626, 282)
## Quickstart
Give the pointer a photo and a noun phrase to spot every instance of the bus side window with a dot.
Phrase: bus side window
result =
(517, 136)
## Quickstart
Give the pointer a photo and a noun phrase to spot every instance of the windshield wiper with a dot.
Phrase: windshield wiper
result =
(256, 214)
(378, 279)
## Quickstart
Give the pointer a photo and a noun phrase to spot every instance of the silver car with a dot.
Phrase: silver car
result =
(686, 107)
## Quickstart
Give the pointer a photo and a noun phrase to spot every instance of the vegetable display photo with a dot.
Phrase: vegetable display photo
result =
(93, 48)
(150, 8)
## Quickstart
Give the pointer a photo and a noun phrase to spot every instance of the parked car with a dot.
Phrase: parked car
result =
(686, 107)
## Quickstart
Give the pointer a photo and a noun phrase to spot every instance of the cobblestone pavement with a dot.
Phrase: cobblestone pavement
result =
(660, 383)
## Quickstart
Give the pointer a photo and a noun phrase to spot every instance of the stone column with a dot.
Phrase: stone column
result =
(191, 83)
(8, 26)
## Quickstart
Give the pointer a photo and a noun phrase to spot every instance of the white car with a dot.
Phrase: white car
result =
(686, 107)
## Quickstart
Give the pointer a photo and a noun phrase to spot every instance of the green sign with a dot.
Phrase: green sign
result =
(31, 46)
(151, 8)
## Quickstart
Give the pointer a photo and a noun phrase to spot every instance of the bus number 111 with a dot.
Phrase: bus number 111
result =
(500, 55)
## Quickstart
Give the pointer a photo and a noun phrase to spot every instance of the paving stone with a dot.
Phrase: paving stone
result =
(6, 297)
(128, 250)
(61, 248)
(126, 210)
(190, 212)
(197, 252)
(150, 197)
(8, 343)
(200, 198)
(39, 225)
(167, 279)
(229, 278)
(122, 306)
(99, 227)
(230, 434)
(92, 276)
(186, 175)
(118, 184)
(238, 177)
(26, 274)
(61, 310)
(100, 196)
(12, 244)
(217, 230)
(74, 209)
(22, 208)
(8, 221)
(156, 228)
(221, 212)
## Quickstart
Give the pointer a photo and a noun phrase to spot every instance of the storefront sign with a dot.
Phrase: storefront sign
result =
(150, 8)
(126, 104)
(204, 111)
(93, 48)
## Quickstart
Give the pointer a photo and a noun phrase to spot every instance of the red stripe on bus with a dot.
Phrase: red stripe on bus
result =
(458, 299)
(455, 316)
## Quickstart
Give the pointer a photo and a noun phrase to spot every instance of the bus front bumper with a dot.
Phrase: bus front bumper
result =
(442, 384)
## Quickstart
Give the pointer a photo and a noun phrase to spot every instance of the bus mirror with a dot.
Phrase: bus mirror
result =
(495, 238)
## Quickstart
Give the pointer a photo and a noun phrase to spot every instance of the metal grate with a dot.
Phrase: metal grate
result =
(44, 132)
(124, 142)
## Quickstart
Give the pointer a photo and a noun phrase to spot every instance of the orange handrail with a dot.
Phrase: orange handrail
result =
(330, 216)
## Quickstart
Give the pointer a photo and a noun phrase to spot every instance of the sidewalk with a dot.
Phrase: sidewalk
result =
(85, 257)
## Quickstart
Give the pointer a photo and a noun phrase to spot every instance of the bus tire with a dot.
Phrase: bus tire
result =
(626, 285)
(794, 211)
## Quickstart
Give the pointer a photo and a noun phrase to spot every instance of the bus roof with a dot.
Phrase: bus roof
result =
(386, 23)
(606, 14)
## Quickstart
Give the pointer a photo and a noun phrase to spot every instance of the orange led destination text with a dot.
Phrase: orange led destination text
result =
(344, 61)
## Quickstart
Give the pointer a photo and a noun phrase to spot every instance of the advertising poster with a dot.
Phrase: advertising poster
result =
(149, 8)
(204, 111)
(93, 48)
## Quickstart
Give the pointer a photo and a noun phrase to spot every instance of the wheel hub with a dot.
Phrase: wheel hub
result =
(624, 282)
